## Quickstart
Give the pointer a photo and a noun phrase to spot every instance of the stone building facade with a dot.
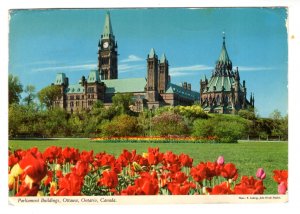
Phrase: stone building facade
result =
(102, 84)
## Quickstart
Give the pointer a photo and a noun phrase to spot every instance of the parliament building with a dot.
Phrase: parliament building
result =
(223, 93)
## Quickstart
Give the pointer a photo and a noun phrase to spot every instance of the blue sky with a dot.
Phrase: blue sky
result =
(45, 42)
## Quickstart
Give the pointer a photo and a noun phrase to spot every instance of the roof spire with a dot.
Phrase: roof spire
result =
(152, 53)
(163, 58)
(107, 29)
(224, 55)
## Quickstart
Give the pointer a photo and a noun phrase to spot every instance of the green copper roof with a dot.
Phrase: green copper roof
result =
(60, 78)
(93, 77)
(125, 85)
(218, 82)
(172, 88)
(75, 89)
(152, 53)
(107, 30)
(163, 59)
(224, 55)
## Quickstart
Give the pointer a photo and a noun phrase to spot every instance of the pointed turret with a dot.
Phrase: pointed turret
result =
(107, 29)
(163, 59)
(251, 99)
(224, 57)
(224, 64)
(163, 74)
(152, 53)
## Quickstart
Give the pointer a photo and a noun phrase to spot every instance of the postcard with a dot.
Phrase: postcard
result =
(148, 105)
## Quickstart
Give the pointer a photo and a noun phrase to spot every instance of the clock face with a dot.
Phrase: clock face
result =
(105, 44)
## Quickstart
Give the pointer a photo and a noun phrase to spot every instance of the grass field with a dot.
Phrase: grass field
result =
(247, 156)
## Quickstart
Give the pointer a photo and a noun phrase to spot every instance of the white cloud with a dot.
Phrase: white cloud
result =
(123, 68)
(249, 68)
(132, 58)
(188, 70)
(67, 67)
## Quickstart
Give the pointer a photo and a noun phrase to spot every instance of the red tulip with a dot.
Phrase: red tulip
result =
(87, 156)
(70, 185)
(126, 157)
(81, 168)
(178, 177)
(185, 160)
(34, 167)
(26, 190)
(107, 160)
(12, 160)
(130, 190)
(280, 176)
(147, 184)
(179, 189)
(229, 171)
(249, 186)
(52, 153)
(70, 155)
(154, 157)
(221, 189)
(200, 172)
(211, 170)
(170, 158)
(109, 179)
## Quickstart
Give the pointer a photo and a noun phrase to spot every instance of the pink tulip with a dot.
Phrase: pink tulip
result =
(261, 174)
(220, 160)
(282, 188)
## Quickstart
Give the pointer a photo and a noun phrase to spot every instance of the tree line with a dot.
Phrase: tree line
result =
(31, 118)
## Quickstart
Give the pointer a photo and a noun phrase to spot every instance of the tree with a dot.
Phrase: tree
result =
(15, 117)
(121, 102)
(55, 123)
(48, 94)
(15, 89)
(29, 90)
(276, 115)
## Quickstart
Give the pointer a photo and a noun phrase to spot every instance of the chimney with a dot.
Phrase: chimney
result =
(66, 81)
(189, 87)
(82, 80)
(185, 85)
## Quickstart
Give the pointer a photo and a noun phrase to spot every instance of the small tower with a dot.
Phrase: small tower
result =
(152, 80)
(63, 82)
(237, 89)
(163, 74)
(203, 83)
(108, 52)
(152, 73)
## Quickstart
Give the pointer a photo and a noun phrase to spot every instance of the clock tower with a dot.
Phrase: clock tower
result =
(108, 52)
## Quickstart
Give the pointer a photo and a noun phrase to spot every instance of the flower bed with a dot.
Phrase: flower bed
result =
(69, 172)
(157, 139)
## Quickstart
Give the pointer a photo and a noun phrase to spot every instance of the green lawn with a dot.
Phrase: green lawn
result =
(247, 156)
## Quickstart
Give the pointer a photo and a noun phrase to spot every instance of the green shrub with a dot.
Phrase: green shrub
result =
(121, 126)
(227, 128)
(169, 123)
